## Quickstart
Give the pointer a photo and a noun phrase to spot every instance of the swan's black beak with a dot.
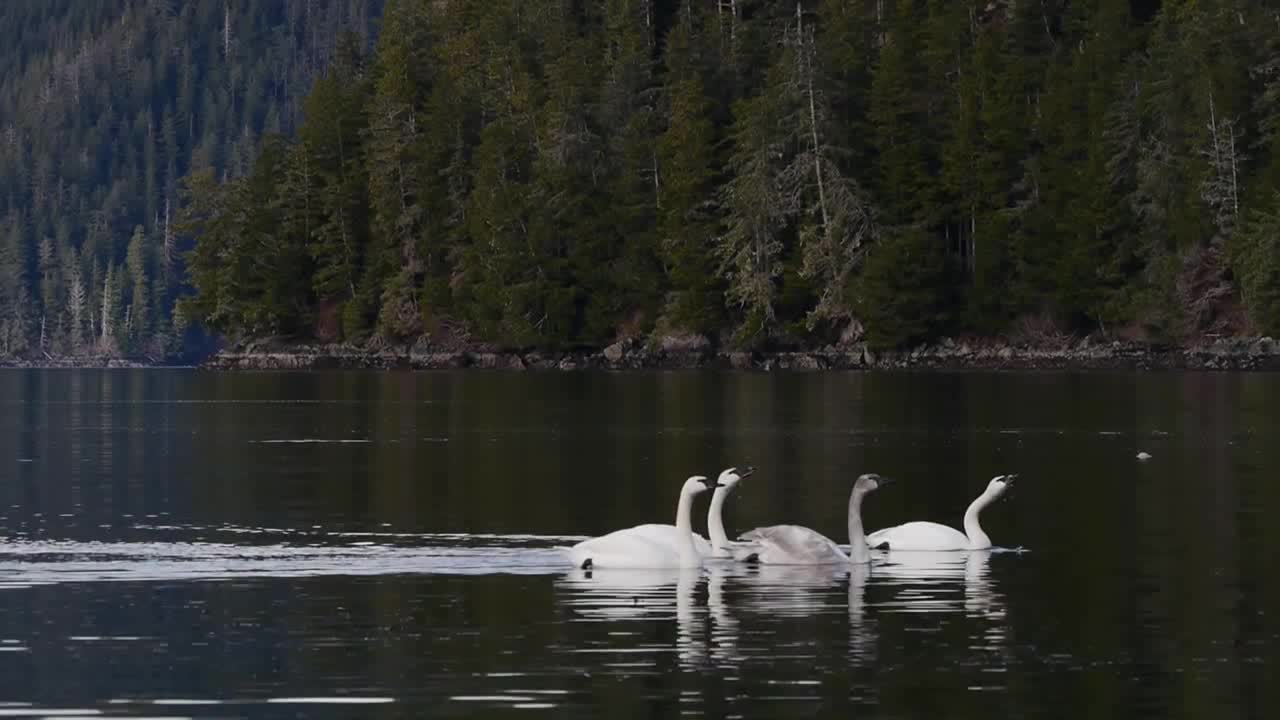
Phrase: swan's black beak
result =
(710, 483)
(746, 472)
(1008, 485)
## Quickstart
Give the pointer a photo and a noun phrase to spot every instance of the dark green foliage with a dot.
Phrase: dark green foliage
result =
(333, 140)
(686, 201)
(1255, 258)
(902, 294)
(560, 174)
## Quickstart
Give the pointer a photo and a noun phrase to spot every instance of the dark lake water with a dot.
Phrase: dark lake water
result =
(176, 543)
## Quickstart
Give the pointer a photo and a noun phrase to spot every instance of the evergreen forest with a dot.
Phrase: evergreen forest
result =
(561, 173)
(105, 107)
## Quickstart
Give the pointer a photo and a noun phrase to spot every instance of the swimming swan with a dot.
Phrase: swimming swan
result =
(795, 545)
(649, 545)
(933, 536)
(721, 545)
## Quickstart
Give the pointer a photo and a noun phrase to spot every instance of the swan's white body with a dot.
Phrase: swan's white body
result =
(650, 545)
(669, 536)
(931, 536)
(796, 545)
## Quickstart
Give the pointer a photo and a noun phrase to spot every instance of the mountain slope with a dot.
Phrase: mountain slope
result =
(106, 106)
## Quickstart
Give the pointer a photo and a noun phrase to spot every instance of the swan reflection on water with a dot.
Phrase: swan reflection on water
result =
(932, 581)
(740, 598)
(948, 582)
(613, 594)
(618, 593)
(724, 626)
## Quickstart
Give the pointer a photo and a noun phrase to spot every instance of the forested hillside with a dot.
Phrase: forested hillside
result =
(559, 173)
(105, 105)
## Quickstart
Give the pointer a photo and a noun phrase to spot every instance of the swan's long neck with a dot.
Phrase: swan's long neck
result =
(858, 550)
(684, 529)
(715, 520)
(978, 539)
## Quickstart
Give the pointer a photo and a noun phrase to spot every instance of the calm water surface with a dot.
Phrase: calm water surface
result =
(177, 543)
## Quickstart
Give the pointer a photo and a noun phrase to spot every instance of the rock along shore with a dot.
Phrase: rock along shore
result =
(1224, 354)
(78, 362)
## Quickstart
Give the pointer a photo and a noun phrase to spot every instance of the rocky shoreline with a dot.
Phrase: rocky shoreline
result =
(698, 353)
(1223, 354)
(78, 363)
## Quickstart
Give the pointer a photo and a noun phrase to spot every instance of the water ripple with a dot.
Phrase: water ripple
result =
(29, 563)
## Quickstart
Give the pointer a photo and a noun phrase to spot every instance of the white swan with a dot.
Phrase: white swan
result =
(721, 545)
(650, 545)
(795, 545)
(922, 535)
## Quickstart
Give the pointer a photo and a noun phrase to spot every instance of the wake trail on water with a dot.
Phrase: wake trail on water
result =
(28, 563)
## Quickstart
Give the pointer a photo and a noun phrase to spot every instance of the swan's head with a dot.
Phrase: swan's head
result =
(699, 484)
(1000, 485)
(870, 481)
(731, 477)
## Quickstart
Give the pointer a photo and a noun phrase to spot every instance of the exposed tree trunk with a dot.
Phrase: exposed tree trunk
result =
(657, 186)
(973, 239)
(807, 56)
(105, 324)
(1220, 190)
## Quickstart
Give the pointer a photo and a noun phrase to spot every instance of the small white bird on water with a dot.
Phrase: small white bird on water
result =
(1144, 455)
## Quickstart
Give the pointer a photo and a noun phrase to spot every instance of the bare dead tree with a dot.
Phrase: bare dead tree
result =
(1221, 188)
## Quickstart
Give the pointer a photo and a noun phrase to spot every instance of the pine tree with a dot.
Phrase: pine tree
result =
(902, 293)
(1255, 258)
(214, 261)
(1266, 104)
(898, 114)
(628, 106)
(106, 325)
(15, 301)
(395, 146)
(333, 135)
(756, 210)
(502, 277)
(847, 49)
(77, 310)
(687, 171)
(138, 294)
(52, 305)
(838, 219)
